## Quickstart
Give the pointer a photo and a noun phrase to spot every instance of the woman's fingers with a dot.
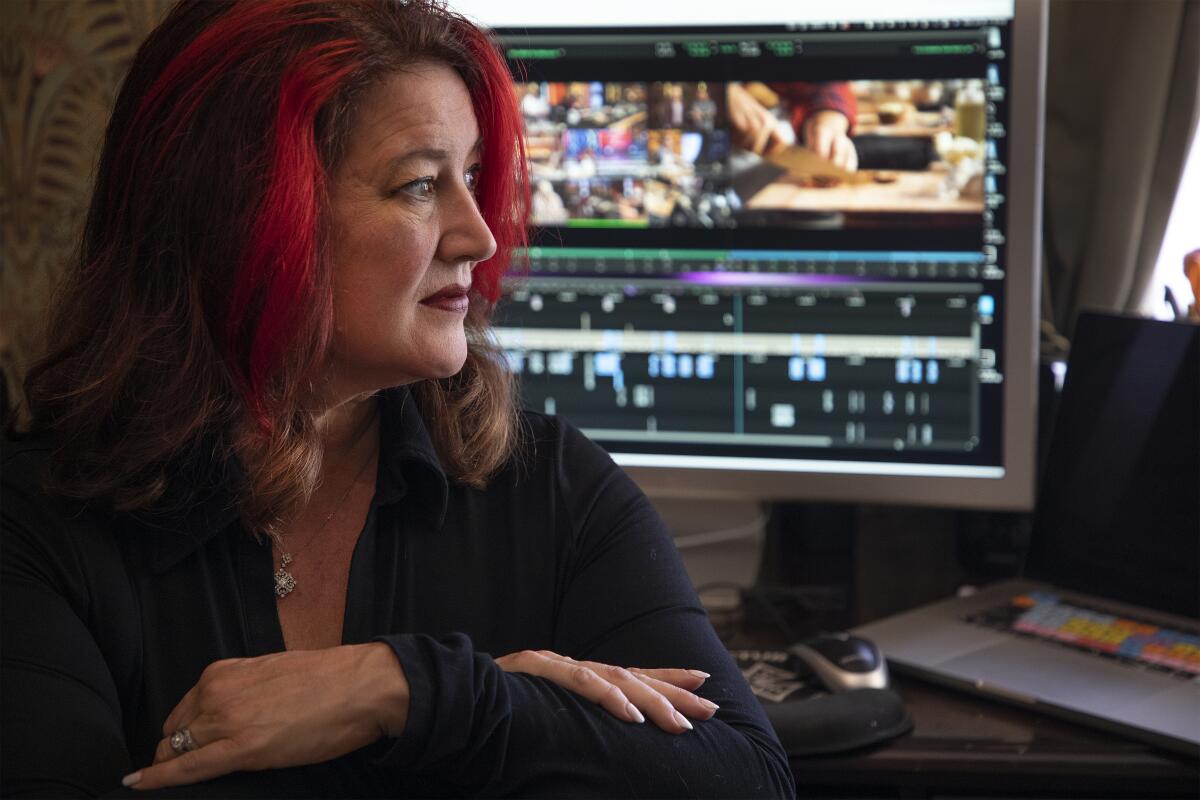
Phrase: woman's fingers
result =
(164, 751)
(662, 695)
(575, 676)
(202, 732)
(208, 762)
(690, 679)
(681, 699)
(656, 707)
(182, 716)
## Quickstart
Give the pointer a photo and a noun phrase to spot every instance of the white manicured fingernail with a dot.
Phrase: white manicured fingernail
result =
(682, 720)
(709, 704)
(132, 778)
(699, 674)
(633, 713)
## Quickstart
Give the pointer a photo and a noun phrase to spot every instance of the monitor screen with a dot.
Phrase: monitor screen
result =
(773, 245)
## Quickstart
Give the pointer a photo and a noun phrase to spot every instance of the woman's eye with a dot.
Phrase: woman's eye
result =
(422, 187)
(472, 177)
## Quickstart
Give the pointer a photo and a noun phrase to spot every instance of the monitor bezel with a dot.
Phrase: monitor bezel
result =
(1013, 489)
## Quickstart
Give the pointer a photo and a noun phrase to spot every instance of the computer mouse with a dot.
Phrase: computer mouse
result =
(843, 662)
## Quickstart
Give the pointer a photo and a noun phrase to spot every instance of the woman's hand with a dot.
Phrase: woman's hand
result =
(281, 710)
(665, 695)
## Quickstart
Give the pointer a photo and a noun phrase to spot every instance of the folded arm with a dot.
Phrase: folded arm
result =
(475, 729)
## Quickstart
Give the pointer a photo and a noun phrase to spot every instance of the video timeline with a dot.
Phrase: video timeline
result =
(861, 357)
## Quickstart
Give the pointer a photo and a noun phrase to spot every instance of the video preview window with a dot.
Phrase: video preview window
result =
(854, 154)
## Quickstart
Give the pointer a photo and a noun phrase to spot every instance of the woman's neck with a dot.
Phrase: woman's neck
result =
(346, 430)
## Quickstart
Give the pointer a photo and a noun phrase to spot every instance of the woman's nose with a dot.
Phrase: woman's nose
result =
(465, 234)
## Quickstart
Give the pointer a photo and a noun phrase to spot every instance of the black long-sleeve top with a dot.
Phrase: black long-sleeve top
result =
(108, 619)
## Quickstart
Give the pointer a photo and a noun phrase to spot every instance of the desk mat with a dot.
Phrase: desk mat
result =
(811, 721)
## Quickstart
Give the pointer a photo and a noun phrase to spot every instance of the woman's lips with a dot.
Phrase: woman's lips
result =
(452, 298)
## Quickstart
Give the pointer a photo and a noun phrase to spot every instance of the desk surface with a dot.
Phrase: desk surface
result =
(969, 745)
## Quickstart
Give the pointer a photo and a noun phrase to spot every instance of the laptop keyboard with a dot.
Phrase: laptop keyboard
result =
(1043, 615)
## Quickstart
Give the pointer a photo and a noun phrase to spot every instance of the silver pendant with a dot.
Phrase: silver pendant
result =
(285, 582)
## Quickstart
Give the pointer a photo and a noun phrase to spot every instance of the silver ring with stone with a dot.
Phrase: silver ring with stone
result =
(182, 742)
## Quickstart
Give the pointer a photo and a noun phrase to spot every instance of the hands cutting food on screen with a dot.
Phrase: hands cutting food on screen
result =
(752, 125)
(822, 128)
(826, 133)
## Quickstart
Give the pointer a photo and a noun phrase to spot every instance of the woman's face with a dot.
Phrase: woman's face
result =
(406, 233)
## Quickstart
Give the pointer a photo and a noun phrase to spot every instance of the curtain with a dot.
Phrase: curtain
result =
(61, 64)
(1121, 111)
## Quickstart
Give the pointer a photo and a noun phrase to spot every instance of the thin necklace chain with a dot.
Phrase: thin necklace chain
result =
(285, 582)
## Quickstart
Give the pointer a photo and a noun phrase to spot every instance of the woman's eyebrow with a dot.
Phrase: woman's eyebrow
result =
(425, 154)
(393, 164)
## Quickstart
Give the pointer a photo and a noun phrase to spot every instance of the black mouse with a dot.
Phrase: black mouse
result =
(843, 662)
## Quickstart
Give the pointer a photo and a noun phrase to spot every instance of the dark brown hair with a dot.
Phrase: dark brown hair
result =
(199, 313)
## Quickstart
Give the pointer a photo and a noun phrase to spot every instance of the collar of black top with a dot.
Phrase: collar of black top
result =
(407, 461)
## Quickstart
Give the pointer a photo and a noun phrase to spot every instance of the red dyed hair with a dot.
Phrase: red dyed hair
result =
(200, 310)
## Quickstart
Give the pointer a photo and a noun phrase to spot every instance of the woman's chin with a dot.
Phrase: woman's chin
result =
(379, 376)
(444, 367)
(445, 373)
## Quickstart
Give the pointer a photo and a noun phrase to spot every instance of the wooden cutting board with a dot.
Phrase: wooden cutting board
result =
(802, 161)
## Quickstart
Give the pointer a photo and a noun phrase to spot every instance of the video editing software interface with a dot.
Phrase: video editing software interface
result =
(712, 282)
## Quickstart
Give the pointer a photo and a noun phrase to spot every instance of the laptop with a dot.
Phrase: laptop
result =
(1104, 627)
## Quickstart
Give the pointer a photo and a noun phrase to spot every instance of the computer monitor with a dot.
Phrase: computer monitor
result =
(784, 250)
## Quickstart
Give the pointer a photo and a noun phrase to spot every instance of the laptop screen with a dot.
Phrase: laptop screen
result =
(1118, 512)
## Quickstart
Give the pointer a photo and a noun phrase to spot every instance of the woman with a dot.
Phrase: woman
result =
(277, 509)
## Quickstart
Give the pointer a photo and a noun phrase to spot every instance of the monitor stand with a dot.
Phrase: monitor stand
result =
(721, 542)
